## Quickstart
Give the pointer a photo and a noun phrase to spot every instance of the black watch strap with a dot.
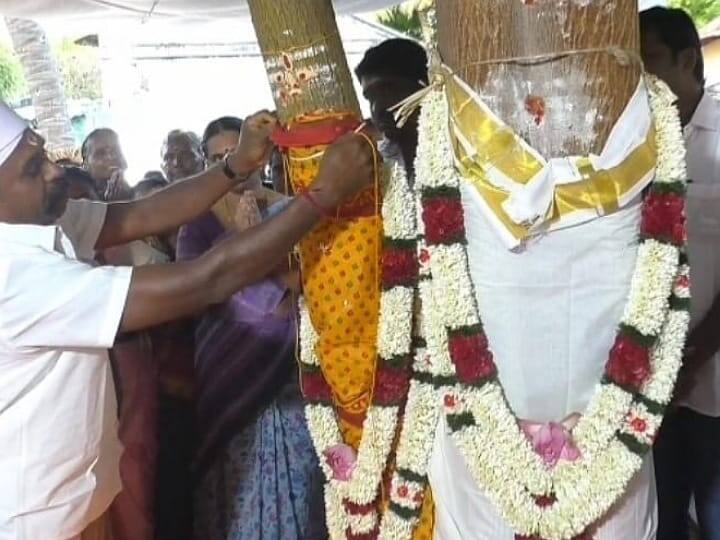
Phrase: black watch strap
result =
(227, 170)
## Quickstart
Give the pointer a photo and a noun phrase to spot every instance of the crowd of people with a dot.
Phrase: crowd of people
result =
(191, 425)
(210, 411)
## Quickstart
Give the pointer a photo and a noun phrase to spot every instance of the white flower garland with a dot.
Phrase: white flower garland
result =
(617, 426)
(381, 422)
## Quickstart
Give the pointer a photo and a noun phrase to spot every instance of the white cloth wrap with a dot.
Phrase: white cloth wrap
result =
(551, 313)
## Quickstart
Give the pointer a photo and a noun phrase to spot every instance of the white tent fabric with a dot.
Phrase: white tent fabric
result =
(647, 4)
(74, 11)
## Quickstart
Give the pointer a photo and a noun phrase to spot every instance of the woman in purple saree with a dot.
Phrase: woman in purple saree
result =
(256, 470)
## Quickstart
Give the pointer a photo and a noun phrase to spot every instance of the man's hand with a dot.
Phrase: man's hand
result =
(255, 145)
(346, 169)
(116, 188)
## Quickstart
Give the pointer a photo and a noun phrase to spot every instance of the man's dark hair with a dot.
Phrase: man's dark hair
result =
(86, 143)
(225, 123)
(676, 30)
(400, 57)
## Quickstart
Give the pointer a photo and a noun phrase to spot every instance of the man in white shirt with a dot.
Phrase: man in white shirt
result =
(687, 453)
(58, 316)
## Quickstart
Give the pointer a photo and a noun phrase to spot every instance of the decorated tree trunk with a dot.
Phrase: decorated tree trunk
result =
(536, 143)
(305, 58)
(341, 264)
(565, 106)
(312, 88)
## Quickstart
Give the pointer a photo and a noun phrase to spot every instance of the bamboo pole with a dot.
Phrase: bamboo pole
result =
(580, 96)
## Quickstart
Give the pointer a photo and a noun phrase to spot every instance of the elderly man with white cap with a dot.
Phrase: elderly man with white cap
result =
(58, 315)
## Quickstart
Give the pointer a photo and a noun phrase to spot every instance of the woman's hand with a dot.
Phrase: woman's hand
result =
(247, 213)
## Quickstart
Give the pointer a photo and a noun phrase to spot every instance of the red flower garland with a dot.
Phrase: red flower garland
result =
(399, 267)
(391, 385)
(663, 217)
(355, 509)
(472, 357)
(372, 535)
(629, 363)
(444, 220)
(315, 388)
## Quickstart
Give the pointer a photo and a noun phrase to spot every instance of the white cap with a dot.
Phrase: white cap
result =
(647, 4)
(12, 127)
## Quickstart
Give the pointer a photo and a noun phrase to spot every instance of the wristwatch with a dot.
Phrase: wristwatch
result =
(232, 175)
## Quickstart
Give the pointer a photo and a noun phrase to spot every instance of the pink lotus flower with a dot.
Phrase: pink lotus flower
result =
(341, 458)
(552, 441)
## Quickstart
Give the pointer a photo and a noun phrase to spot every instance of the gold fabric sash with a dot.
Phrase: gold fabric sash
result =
(485, 146)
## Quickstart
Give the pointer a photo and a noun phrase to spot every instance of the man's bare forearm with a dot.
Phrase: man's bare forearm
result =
(165, 210)
(165, 292)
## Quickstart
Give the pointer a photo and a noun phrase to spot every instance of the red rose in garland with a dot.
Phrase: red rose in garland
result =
(372, 535)
(472, 358)
(315, 388)
(444, 222)
(629, 363)
(391, 385)
(359, 509)
(399, 267)
(663, 217)
(545, 501)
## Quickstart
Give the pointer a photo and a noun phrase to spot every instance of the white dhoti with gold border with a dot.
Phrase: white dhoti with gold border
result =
(551, 313)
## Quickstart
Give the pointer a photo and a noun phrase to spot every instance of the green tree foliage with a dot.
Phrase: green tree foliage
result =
(702, 11)
(80, 69)
(402, 19)
(12, 82)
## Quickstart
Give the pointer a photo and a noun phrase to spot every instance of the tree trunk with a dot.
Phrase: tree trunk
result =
(44, 83)
(581, 95)
(304, 57)
(340, 259)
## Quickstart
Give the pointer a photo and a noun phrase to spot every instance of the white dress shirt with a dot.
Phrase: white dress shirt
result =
(58, 410)
(551, 313)
(702, 136)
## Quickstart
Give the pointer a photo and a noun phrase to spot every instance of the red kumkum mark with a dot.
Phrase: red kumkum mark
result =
(535, 106)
